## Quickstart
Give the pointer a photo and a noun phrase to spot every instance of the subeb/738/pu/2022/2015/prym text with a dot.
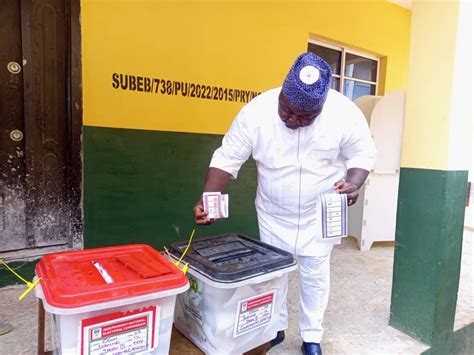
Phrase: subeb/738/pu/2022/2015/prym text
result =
(172, 87)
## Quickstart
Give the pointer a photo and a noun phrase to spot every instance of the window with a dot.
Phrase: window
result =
(354, 74)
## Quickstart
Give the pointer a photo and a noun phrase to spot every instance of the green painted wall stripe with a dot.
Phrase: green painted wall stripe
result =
(427, 258)
(24, 269)
(140, 187)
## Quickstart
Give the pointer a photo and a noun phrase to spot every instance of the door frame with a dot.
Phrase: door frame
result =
(75, 118)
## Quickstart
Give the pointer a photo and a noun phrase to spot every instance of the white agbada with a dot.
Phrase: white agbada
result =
(296, 166)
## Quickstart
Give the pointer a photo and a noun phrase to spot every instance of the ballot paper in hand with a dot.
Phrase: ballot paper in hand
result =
(216, 204)
(334, 215)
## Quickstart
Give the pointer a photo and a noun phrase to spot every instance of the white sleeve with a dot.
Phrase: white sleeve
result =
(358, 147)
(236, 147)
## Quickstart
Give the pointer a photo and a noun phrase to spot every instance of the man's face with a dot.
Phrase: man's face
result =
(293, 117)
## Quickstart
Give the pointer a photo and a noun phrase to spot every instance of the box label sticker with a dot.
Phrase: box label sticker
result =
(253, 313)
(120, 332)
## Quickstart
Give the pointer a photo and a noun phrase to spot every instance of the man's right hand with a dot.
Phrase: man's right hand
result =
(216, 180)
(200, 216)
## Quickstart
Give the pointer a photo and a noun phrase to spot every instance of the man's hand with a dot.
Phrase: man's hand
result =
(200, 216)
(216, 180)
(355, 178)
(344, 187)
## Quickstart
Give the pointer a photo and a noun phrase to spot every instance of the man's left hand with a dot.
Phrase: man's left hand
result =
(355, 178)
(344, 187)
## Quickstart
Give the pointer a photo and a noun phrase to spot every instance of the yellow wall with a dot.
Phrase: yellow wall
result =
(430, 84)
(248, 45)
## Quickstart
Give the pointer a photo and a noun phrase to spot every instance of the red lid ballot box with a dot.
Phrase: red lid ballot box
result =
(112, 300)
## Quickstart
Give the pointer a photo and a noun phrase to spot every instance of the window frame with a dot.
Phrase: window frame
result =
(344, 50)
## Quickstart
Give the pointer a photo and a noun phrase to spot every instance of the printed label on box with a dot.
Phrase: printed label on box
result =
(120, 333)
(253, 313)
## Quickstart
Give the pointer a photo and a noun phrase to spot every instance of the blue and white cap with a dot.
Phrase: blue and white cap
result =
(307, 84)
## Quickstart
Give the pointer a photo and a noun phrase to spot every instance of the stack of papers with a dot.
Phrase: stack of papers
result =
(334, 215)
(216, 204)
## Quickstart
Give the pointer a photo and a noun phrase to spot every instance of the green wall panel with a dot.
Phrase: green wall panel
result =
(140, 187)
(429, 231)
(24, 269)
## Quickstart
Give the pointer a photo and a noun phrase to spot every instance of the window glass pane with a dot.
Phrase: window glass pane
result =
(354, 89)
(335, 83)
(331, 56)
(360, 68)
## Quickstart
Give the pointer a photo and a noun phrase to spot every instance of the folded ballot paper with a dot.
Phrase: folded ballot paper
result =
(334, 215)
(216, 204)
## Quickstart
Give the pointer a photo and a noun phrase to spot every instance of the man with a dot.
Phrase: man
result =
(306, 140)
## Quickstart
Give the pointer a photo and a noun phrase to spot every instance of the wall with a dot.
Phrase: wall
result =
(436, 156)
(146, 153)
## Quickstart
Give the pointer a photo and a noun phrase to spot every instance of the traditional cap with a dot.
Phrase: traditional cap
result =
(307, 84)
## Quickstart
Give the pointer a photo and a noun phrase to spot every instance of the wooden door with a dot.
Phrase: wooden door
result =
(13, 234)
(36, 182)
